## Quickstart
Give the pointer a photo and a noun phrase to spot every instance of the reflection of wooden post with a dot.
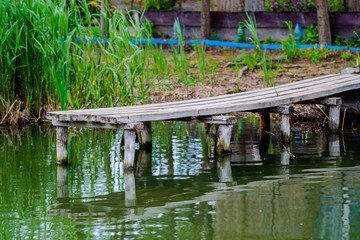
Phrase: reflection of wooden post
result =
(129, 155)
(143, 165)
(223, 139)
(62, 181)
(285, 156)
(61, 145)
(334, 145)
(130, 191)
(224, 169)
(145, 136)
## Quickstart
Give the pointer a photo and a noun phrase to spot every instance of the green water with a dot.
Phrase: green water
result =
(179, 191)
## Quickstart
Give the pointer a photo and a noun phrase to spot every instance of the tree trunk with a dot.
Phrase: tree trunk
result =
(103, 20)
(323, 20)
(353, 5)
(205, 19)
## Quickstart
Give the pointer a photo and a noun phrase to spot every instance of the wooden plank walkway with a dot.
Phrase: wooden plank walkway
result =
(133, 117)
(240, 102)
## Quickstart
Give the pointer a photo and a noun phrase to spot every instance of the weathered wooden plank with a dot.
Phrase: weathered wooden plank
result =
(234, 106)
(330, 101)
(225, 120)
(51, 115)
(282, 110)
(129, 126)
(93, 114)
(138, 110)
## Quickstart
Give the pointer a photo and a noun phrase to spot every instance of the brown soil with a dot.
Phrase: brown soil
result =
(226, 80)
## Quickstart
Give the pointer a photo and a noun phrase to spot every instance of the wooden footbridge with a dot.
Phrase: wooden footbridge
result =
(136, 119)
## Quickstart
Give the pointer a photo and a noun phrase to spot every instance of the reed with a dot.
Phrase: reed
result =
(42, 66)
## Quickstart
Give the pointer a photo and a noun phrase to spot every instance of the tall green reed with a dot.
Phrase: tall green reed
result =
(42, 65)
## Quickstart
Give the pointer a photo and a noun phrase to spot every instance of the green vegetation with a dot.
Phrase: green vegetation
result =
(42, 66)
(302, 5)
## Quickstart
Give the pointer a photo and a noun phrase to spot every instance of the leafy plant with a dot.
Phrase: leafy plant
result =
(289, 45)
(340, 41)
(268, 40)
(290, 6)
(337, 5)
(159, 4)
(317, 55)
(311, 34)
(346, 55)
(354, 40)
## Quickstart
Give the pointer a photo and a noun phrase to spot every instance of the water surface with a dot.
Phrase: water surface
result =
(179, 190)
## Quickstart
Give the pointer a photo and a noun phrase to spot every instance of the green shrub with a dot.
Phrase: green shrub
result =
(311, 34)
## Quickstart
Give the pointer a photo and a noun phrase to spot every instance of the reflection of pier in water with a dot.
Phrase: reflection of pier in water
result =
(153, 195)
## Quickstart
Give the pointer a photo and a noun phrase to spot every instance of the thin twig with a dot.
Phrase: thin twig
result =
(317, 105)
(342, 128)
(292, 155)
(8, 112)
(342, 132)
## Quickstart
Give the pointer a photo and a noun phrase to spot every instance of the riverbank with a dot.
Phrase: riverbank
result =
(212, 72)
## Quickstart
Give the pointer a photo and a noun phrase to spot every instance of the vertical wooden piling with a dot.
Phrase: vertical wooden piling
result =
(264, 120)
(285, 112)
(61, 145)
(145, 136)
(334, 118)
(285, 127)
(129, 155)
(223, 139)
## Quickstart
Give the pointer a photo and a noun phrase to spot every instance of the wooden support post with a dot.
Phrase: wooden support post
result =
(334, 112)
(129, 155)
(61, 145)
(285, 112)
(223, 138)
(334, 118)
(264, 120)
(144, 136)
(130, 191)
(285, 127)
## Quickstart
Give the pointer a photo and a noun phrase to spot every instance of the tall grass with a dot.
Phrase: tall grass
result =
(42, 66)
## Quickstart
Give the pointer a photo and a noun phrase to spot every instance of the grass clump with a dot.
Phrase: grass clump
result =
(43, 65)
